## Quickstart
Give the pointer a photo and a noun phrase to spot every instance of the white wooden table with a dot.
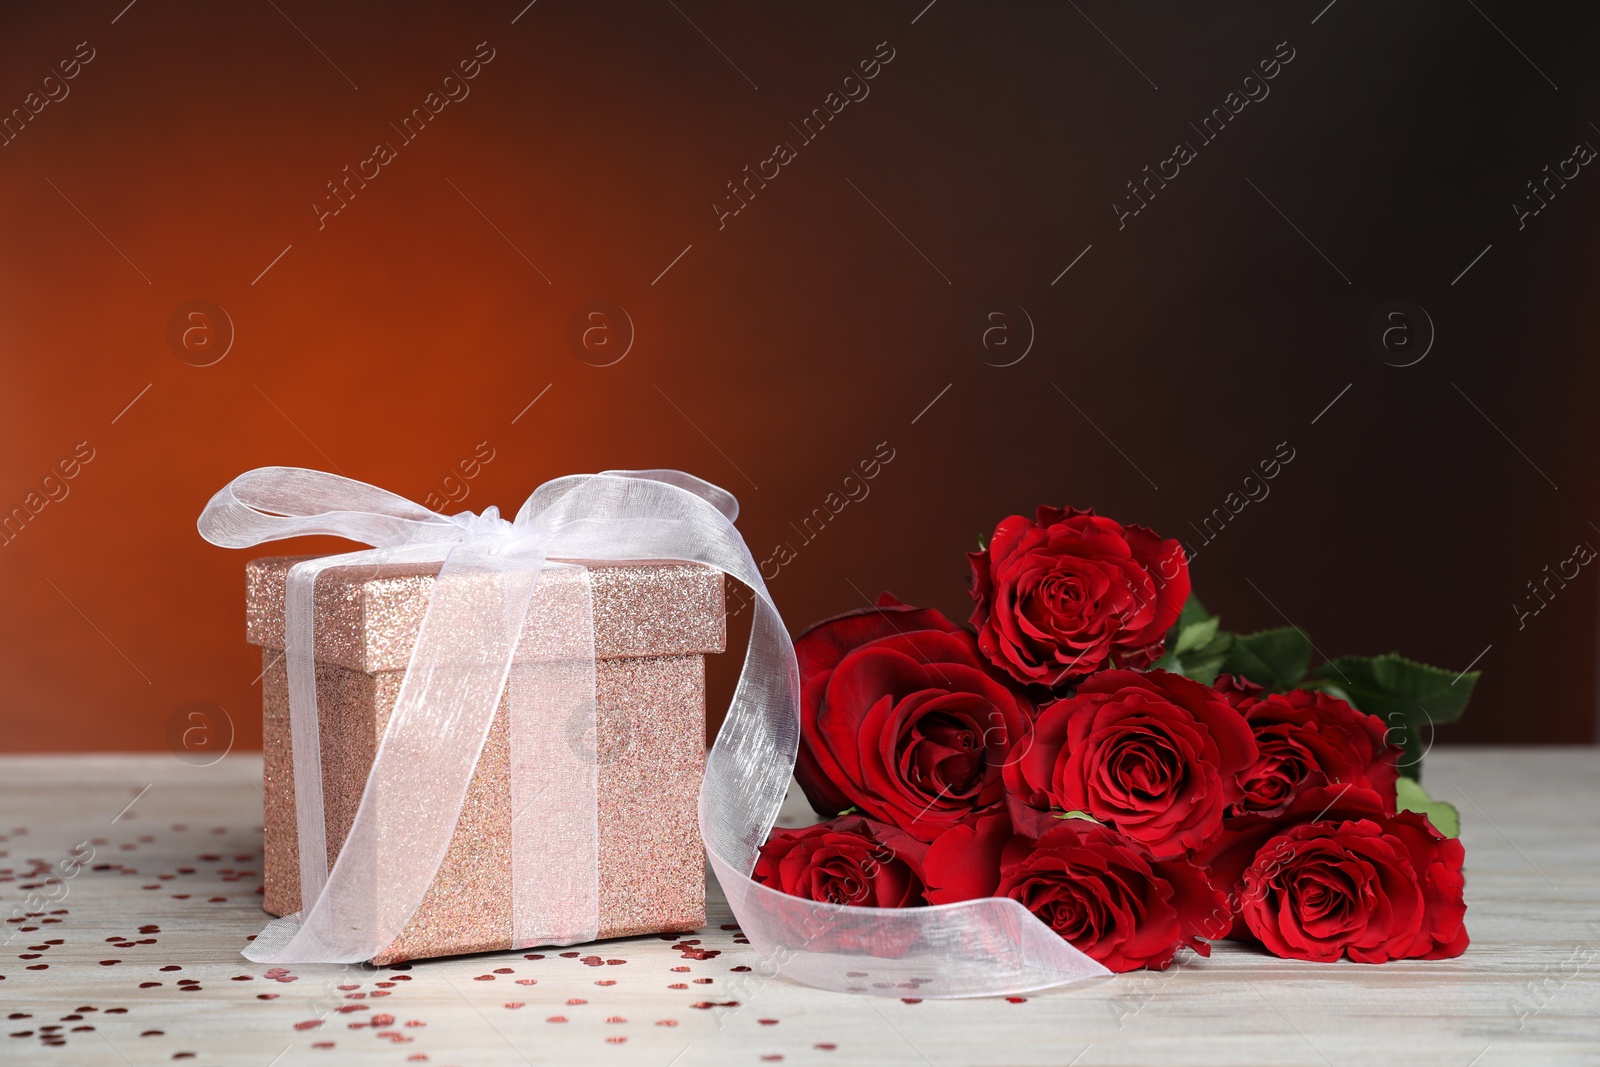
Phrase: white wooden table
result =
(138, 963)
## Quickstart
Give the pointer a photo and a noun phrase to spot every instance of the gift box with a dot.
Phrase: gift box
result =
(654, 622)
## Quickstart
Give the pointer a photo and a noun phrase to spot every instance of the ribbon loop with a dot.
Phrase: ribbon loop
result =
(273, 503)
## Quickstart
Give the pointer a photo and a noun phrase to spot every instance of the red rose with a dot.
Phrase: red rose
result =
(1236, 689)
(1248, 842)
(1072, 592)
(1243, 835)
(1306, 739)
(1108, 897)
(963, 863)
(850, 860)
(900, 717)
(1154, 754)
(1373, 890)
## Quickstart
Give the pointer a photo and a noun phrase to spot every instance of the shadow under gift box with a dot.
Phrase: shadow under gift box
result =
(654, 622)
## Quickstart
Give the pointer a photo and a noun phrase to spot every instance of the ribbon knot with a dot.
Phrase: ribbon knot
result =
(488, 532)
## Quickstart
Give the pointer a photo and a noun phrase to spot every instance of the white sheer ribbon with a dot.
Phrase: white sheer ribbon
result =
(462, 663)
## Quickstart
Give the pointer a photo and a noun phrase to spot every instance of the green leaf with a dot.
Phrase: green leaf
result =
(1276, 659)
(1193, 612)
(1195, 645)
(1444, 816)
(1196, 634)
(1076, 815)
(1203, 664)
(981, 546)
(1409, 696)
(1392, 681)
(1328, 687)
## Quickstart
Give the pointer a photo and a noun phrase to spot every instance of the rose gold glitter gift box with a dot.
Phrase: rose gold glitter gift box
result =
(654, 622)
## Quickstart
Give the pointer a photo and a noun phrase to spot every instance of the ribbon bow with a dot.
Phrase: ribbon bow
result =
(462, 663)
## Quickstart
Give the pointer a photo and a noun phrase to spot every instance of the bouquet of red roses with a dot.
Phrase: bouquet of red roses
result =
(1097, 748)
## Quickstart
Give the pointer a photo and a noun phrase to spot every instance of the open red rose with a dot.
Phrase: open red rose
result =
(1372, 890)
(901, 718)
(850, 860)
(1154, 754)
(1108, 897)
(1243, 835)
(1246, 842)
(1306, 739)
(1071, 592)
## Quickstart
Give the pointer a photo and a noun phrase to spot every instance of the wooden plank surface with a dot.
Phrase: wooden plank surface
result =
(138, 962)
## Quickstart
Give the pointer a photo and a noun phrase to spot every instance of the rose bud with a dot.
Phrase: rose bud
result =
(1109, 898)
(1371, 890)
(901, 717)
(850, 860)
(1071, 592)
(1306, 739)
(1237, 690)
(1154, 754)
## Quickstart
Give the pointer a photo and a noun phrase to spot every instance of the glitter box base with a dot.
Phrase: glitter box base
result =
(654, 623)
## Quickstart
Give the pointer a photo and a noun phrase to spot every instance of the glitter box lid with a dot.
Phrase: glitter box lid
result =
(368, 617)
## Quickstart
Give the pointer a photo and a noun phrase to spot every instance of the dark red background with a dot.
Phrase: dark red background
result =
(781, 350)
